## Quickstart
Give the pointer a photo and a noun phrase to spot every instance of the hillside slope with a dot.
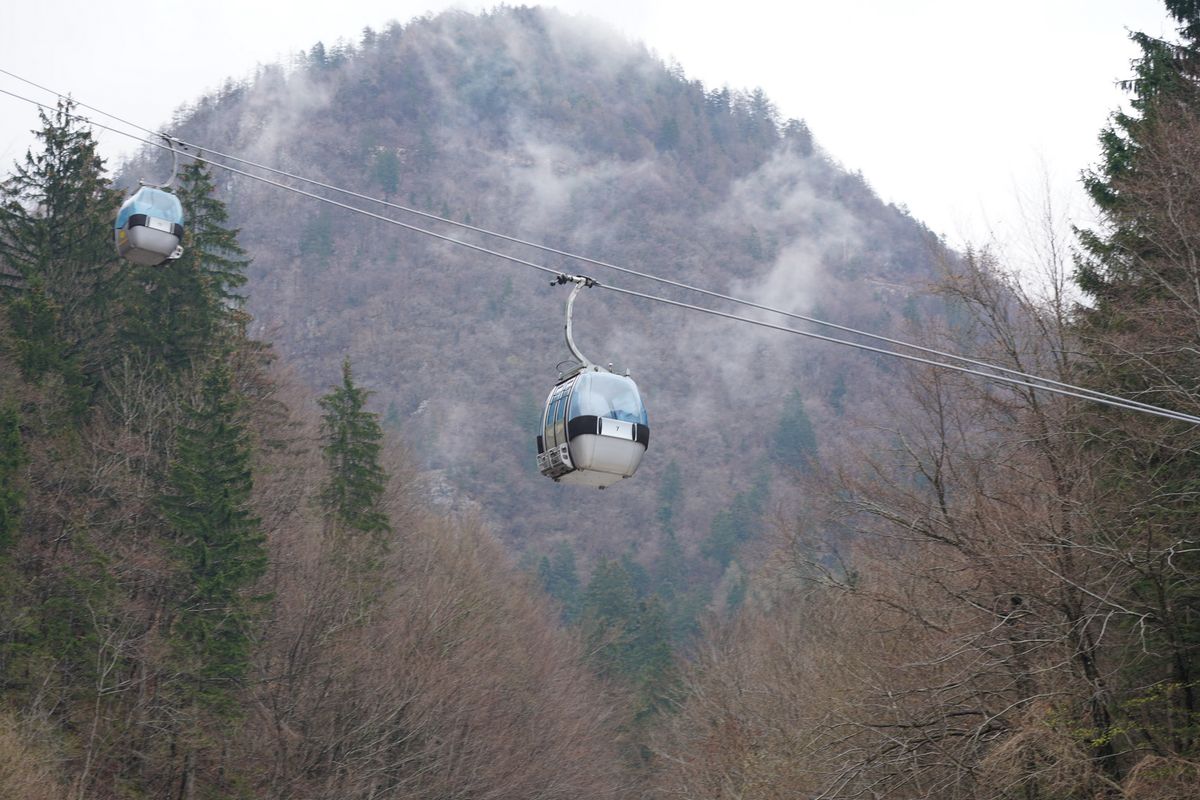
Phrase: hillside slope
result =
(537, 124)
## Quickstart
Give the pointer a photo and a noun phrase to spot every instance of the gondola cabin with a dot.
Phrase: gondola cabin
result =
(149, 227)
(594, 429)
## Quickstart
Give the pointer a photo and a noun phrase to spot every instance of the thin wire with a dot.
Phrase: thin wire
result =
(1118, 403)
(1079, 392)
(625, 270)
(62, 96)
(373, 215)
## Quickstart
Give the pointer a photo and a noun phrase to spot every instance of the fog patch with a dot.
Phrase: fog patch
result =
(551, 182)
(595, 44)
(275, 112)
(780, 203)
(801, 235)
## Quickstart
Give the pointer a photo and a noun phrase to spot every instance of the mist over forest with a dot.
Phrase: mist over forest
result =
(271, 524)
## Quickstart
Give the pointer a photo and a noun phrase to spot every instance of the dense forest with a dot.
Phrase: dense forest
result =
(270, 525)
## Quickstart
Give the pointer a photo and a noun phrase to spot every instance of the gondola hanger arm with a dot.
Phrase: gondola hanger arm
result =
(171, 142)
(581, 282)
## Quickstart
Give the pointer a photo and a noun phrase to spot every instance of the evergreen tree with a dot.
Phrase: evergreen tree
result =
(736, 524)
(656, 677)
(12, 460)
(670, 568)
(1166, 82)
(683, 599)
(352, 440)
(217, 543)
(1140, 278)
(795, 443)
(316, 241)
(39, 350)
(386, 172)
(669, 493)
(629, 641)
(628, 638)
(837, 394)
(608, 615)
(560, 579)
(737, 593)
(56, 213)
(210, 243)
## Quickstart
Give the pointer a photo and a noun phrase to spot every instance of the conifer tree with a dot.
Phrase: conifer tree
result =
(628, 637)
(656, 677)
(351, 441)
(669, 493)
(39, 350)
(211, 243)
(608, 611)
(56, 213)
(629, 640)
(736, 524)
(12, 459)
(560, 579)
(795, 442)
(1140, 277)
(218, 545)
(1167, 81)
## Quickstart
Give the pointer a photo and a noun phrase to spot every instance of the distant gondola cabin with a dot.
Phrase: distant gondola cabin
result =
(149, 227)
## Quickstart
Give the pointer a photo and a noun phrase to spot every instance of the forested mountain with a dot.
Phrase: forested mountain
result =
(541, 126)
(270, 525)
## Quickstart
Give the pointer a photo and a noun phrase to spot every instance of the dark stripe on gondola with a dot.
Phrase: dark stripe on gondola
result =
(578, 426)
(641, 434)
(143, 219)
(541, 448)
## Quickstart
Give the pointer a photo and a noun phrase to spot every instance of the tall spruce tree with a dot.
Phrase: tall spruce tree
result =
(560, 579)
(628, 640)
(12, 459)
(608, 617)
(670, 491)
(58, 268)
(216, 541)
(39, 348)
(795, 442)
(212, 244)
(351, 441)
(1137, 331)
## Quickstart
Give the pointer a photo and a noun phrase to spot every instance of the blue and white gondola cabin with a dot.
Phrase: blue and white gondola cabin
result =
(594, 429)
(149, 227)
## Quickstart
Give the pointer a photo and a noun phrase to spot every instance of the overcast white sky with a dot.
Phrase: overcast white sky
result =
(955, 108)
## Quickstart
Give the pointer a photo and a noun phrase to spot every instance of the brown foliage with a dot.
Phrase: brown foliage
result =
(427, 671)
(26, 772)
(1158, 778)
(439, 679)
(973, 631)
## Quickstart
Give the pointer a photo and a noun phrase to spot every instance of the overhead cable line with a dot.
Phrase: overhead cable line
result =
(1043, 384)
(202, 158)
(1026, 376)
(1081, 393)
